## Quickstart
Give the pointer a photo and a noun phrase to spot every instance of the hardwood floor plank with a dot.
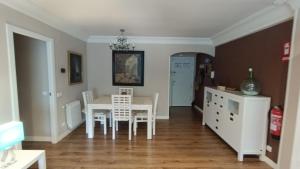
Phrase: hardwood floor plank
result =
(180, 143)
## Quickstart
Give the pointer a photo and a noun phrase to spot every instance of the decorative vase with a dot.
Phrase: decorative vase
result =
(250, 86)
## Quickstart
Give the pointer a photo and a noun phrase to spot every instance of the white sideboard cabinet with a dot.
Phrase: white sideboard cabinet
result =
(240, 120)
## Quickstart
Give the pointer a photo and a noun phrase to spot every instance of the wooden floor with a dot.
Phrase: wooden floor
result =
(181, 142)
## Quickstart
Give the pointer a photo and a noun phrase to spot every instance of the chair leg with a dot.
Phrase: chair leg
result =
(129, 130)
(86, 129)
(134, 126)
(110, 119)
(105, 127)
(153, 126)
(117, 126)
(113, 130)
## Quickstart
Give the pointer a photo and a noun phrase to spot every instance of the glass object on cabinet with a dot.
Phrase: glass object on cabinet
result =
(250, 86)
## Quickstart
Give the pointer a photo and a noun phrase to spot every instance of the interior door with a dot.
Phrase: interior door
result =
(182, 80)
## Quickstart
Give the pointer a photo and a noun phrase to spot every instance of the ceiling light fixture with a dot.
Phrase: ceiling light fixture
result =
(122, 43)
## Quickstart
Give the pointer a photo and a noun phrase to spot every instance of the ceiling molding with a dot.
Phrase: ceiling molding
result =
(153, 40)
(263, 19)
(32, 11)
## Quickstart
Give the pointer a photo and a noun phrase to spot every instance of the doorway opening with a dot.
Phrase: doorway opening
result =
(32, 78)
(190, 72)
(182, 73)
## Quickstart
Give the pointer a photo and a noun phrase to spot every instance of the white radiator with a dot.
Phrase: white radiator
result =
(73, 111)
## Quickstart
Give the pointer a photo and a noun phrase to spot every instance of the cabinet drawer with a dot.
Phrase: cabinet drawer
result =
(216, 123)
(221, 101)
(218, 100)
(215, 98)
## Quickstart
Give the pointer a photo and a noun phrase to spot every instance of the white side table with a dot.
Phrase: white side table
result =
(25, 159)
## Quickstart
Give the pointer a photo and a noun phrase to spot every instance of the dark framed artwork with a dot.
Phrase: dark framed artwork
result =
(128, 68)
(75, 68)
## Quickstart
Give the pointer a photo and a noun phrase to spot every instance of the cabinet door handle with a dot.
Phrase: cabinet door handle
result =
(221, 106)
(231, 119)
(216, 95)
(218, 113)
(215, 103)
(222, 97)
(217, 128)
(231, 114)
(207, 105)
(217, 120)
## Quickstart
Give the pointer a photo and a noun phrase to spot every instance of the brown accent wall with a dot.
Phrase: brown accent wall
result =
(202, 77)
(261, 51)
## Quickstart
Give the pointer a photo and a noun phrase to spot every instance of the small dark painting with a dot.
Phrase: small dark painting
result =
(75, 68)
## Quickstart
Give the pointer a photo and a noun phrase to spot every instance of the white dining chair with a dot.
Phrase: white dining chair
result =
(126, 91)
(143, 116)
(121, 111)
(100, 116)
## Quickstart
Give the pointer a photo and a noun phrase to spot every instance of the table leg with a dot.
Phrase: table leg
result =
(149, 124)
(90, 123)
(42, 161)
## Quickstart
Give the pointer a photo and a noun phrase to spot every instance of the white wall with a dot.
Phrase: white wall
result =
(62, 43)
(157, 57)
(32, 80)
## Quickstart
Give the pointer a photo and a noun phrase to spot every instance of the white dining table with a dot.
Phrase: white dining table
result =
(105, 103)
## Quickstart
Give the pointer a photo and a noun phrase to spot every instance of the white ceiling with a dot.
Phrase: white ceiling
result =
(172, 18)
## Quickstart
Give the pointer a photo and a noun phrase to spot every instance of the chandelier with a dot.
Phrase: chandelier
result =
(122, 43)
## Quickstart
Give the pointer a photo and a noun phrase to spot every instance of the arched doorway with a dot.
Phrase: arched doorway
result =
(190, 72)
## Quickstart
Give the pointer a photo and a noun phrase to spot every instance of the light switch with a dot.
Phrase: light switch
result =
(212, 74)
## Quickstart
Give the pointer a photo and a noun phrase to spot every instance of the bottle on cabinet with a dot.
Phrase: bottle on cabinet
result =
(250, 86)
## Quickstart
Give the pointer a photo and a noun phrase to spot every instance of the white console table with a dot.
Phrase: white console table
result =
(240, 120)
(25, 159)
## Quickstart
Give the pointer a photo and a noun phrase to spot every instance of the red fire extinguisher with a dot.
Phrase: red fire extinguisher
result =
(276, 122)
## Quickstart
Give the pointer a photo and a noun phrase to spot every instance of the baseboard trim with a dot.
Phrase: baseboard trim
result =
(66, 132)
(267, 160)
(198, 108)
(38, 138)
(63, 135)
(162, 117)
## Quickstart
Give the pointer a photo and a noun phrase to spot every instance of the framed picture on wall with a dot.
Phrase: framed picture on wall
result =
(75, 68)
(128, 68)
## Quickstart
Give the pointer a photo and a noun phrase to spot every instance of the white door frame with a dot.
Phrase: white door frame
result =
(10, 30)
